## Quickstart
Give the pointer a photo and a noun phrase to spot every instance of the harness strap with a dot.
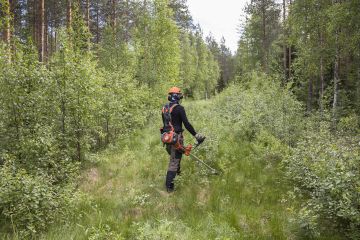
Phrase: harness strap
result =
(166, 110)
(170, 111)
(172, 107)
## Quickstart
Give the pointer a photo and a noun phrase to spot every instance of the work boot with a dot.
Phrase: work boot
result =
(170, 181)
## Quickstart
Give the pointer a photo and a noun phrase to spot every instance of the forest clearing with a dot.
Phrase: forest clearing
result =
(86, 85)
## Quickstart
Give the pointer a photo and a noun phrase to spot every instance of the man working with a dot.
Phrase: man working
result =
(173, 114)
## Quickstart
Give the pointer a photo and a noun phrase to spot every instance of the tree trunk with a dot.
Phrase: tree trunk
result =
(336, 74)
(97, 23)
(55, 33)
(336, 77)
(127, 27)
(69, 14)
(87, 22)
(289, 50)
(80, 7)
(7, 25)
(358, 83)
(284, 43)
(46, 36)
(36, 23)
(41, 46)
(37, 9)
(14, 18)
(113, 15)
(87, 13)
(265, 67)
(321, 46)
(51, 47)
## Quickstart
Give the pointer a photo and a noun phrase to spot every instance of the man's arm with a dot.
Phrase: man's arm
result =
(186, 122)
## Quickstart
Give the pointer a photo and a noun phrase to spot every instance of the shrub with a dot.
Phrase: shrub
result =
(30, 203)
(324, 168)
(50, 118)
(259, 111)
(261, 104)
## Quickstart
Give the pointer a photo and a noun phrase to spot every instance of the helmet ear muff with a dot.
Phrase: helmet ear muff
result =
(175, 96)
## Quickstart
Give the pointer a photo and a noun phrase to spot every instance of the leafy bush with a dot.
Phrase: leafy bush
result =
(324, 168)
(31, 202)
(259, 109)
(261, 104)
(50, 119)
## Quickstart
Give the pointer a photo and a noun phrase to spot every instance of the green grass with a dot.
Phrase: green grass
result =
(124, 192)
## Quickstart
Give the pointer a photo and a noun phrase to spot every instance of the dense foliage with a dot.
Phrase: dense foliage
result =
(324, 168)
(259, 105)
(51, 119)
(314, 46)
(81, 97)
(322, 165)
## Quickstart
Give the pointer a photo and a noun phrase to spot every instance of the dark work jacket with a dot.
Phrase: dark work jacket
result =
(178, 117)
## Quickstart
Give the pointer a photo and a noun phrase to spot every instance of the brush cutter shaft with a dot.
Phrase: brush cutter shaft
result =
(201, 161)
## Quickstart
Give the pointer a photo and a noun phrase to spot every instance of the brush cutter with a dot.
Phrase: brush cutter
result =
(187, 151)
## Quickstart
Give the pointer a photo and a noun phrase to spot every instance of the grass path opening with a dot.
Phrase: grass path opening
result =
(125, 196)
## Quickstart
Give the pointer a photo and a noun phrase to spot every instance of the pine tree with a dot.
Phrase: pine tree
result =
(181, 14)
(261, 30)
(41, 38)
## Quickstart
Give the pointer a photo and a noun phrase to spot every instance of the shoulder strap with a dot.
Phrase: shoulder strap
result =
(172, 107)
(165, 108)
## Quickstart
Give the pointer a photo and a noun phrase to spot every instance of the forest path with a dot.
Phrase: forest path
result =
(126, 194)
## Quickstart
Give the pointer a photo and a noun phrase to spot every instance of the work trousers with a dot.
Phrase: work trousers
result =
(174, 164)
(175, 156)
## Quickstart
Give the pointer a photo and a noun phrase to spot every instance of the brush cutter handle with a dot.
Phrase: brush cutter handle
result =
(187, 150)
(200, 138)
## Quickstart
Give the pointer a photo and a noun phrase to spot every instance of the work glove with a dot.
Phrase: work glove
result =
(199, 138)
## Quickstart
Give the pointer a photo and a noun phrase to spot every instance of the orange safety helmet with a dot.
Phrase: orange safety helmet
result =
(175, 90)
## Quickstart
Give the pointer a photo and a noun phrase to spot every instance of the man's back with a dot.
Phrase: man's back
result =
(178, 117)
